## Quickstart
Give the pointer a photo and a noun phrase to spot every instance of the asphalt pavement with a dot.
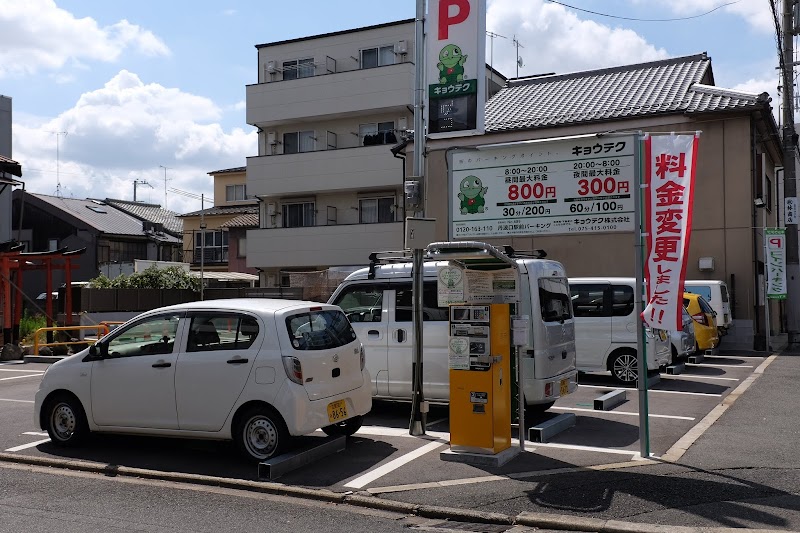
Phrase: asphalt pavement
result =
(737, 468)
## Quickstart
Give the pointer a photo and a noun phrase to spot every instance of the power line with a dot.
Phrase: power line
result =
(644, 20)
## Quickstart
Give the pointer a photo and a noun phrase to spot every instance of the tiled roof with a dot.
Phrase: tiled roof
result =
(678, 85)
(248, 220)
(228, 170)
(150, 212)
(96, 214)
(224, 210)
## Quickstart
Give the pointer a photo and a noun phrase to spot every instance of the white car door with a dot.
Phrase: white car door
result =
(134, 386)
(213, 367)
(592, 324)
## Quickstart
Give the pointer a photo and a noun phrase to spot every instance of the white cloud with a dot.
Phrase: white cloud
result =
(557, 40)
(755, 12)
(38, 35)
(124, 131)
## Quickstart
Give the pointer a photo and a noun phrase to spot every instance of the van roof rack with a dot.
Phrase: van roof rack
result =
(537, 253)
(383, 258)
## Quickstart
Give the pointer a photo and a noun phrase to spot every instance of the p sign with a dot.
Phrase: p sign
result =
(456, 67)
(775, 262)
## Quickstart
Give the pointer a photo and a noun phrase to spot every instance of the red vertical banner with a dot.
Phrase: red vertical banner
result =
(670, 162)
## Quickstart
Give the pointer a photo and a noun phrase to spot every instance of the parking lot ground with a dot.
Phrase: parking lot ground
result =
(383, 458)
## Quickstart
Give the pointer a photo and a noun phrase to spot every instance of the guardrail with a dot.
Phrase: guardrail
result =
(101, 330)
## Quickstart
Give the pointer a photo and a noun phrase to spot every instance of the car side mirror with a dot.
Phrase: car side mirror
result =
(97, 351)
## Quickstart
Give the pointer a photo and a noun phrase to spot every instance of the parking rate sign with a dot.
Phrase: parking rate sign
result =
(776, 263)
(580, 185)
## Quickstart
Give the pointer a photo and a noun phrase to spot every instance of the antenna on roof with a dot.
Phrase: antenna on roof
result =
(58, 134)
(518, 45)
(139, 182)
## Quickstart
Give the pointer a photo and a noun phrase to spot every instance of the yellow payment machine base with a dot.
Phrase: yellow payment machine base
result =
(480, 389)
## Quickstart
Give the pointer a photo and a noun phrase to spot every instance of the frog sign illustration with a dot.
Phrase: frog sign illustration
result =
(451, 64)
(471, 195)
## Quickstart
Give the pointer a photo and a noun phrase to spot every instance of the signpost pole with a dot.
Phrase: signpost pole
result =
(644, 421)
(766, 284)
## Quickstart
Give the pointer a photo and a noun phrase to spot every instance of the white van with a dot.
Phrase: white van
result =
(378, 302)
(715, 292)
(605, 329)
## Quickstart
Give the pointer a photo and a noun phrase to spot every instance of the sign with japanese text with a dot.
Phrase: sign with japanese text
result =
(455, 67)
(670, 162)
(455, 285)
(776, 263)
(790, 210)
(583, 184)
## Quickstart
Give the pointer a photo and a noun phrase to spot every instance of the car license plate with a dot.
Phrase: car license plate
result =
(564, 387)
(337, 411)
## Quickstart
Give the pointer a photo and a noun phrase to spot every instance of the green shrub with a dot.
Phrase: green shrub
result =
(28, 324)
(153, 278)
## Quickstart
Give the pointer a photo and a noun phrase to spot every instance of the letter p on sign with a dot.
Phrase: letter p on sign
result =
(446, 19)
(776, 242)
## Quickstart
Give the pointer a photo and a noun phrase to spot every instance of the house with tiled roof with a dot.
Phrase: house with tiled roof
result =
(113, 238)
(739, 150)
(218, 233)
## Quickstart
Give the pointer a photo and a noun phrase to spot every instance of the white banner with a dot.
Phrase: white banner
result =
(670, 162)
(776, 263)
(790, 210)
(579, 185)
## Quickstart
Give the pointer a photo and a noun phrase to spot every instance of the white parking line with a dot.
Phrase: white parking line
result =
(719, 366)
(381, 471)
(694, 376)
(653, 390)
(36, 433)
(20, 377)
(581, 410)
(26, 446)
(20, 370)
(732, 357)
(20, 401)
(380, 431)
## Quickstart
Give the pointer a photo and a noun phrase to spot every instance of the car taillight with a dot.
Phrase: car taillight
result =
(363, 357)
(700, 318)
(293, 368)
(548, 389)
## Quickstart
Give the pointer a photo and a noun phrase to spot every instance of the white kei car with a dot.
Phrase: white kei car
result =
(255, 370)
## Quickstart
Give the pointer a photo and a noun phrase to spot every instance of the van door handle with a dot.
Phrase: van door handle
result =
(373, 333)
(162, 364)
(236, 361)
(401, 335)
(564, 354)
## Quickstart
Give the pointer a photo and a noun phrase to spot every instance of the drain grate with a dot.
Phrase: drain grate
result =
(474, 527)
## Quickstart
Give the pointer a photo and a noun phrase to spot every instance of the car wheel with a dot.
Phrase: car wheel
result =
(65, 421)
(344, 429)
(624, 367)
(260, 434)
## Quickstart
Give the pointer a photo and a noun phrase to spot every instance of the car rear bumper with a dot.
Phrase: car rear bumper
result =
(303, 416)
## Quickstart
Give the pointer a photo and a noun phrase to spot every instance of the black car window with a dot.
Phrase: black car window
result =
(554, 299)
(621, 300)
(362, 303)
(319, 330)
(152, 335)
(404, 304)
(219, 331)
(589, 300)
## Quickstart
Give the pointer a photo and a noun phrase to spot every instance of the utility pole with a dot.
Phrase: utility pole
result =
(58, 134)
(518, 45)
(165, 184)
(789, 175)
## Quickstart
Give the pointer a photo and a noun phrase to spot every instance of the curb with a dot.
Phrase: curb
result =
(43, 358)
(538, 520)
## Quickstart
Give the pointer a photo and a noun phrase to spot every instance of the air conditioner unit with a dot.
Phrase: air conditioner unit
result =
(271, 209)
(401, 47)
(271, 66)
(272, 138)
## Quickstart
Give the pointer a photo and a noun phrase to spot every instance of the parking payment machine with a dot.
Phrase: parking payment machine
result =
(480, 378)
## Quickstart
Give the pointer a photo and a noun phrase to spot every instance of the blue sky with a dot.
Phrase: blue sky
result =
(145, 84)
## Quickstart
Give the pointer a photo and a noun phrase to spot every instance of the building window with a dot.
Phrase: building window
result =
(242, 247)
(298, 141)
(52, 245)
(376, 210)
(121, 251)
(298, 215)
(299, 68)
(215, 249)
(235, 193)
(377, 57)
(373, 133)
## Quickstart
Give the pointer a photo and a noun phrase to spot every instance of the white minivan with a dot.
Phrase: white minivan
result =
(378, 302)
(605, 329)
(715, 292)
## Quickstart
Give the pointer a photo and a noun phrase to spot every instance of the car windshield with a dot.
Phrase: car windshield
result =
(319, 330)
(702, 290)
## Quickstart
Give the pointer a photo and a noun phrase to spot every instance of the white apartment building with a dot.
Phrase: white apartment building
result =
(328, 109)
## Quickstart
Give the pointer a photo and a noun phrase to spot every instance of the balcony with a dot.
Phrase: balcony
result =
(321, 245)
(323, 171)
(331, 96)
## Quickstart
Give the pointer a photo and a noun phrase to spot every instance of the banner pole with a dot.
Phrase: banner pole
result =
(644, 419)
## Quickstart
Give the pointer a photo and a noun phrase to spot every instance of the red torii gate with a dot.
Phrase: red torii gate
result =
(14, 260)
